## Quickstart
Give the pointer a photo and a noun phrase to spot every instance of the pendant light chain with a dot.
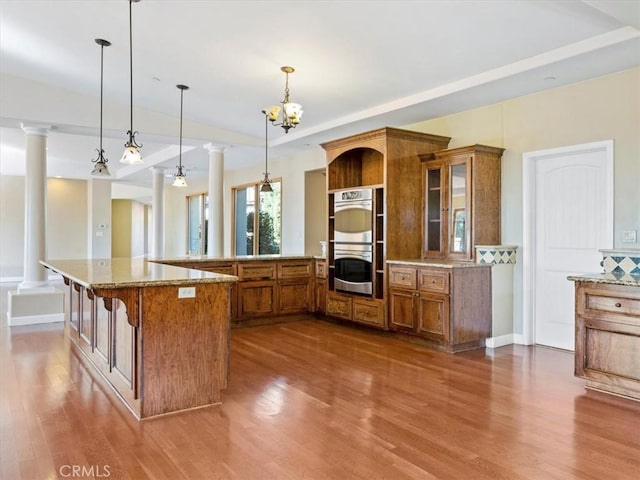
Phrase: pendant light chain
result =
(181, 100)
(101, 88)
(130, 72)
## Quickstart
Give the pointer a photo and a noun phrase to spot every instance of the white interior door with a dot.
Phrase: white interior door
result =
(572, 220)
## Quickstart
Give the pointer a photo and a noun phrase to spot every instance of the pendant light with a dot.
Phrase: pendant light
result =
(131, 153)
(266, 183)
(291, 112)
(180, 180)
(101, 169)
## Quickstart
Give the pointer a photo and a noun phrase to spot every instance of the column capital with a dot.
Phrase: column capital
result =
(35, 129)
(214, 148)
(158, 169)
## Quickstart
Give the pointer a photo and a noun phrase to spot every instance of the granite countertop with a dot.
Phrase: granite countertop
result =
(438, 263)
(236, 258)
(130, 272)
(608, 278)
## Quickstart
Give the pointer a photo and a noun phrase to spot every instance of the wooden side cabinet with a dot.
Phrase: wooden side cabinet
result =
(448, 307)
(607, 350)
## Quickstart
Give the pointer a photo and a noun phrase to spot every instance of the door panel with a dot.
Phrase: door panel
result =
(572, 222)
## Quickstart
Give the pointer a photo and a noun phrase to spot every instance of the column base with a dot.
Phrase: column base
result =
(44, 305)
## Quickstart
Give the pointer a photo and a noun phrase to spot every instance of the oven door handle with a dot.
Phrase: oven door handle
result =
(356, 256)
(364, 205)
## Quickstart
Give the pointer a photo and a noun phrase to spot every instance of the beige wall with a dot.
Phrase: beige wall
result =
(66, 212)
(128, 237)
(315, 211)
(600, 109)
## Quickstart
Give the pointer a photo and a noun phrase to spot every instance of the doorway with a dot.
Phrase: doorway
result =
(568, 218)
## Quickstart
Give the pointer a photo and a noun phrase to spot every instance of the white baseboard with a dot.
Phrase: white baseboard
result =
(502, 340)
(34, 319)
(518, 339)
(55, 276)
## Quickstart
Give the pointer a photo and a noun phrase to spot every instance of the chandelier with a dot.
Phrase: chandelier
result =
(291, 112)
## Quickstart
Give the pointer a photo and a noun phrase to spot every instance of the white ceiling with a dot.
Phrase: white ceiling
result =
(359, 65)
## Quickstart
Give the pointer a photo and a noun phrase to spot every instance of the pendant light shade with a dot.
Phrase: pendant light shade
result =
(266, 183)
(131, 153)
(291, 112)
(101, 169)
(180, 177)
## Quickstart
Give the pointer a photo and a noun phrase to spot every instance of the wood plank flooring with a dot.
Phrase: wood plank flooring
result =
(315, 400)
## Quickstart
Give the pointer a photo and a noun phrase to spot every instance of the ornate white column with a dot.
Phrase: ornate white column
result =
(157, 208)
(35, 301)
(215, 230)
(35, 211)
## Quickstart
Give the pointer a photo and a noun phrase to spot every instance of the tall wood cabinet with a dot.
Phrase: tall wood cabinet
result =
(461, 201)
(386, 160)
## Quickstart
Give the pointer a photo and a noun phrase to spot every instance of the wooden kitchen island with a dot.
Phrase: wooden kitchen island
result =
(157, 334)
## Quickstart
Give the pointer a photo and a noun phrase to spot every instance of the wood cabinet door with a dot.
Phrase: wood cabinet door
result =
(368, 312)
(295, 296)
(402, 310)
(339, 305)
(433, 316)
(256, 299)
(321, 295)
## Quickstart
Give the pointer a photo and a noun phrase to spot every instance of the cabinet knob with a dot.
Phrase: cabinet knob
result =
(618, 304)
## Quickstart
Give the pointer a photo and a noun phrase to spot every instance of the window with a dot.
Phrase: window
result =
(261, 235)
(198, 219)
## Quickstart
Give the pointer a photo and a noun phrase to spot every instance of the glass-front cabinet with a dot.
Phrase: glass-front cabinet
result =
(461, 201)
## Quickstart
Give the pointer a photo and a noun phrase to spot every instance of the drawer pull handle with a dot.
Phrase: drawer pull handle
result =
(618, 305)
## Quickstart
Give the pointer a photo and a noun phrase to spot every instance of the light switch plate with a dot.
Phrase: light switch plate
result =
(186, 292)
(629, 236)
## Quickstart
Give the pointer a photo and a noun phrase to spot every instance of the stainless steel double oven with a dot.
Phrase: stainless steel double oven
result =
(353, 241)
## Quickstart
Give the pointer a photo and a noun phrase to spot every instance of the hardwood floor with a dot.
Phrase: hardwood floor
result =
(315, 400)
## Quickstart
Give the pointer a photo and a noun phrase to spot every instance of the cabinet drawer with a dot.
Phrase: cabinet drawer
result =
(339, 306)
(433, 280)
(224, 268)
(370, 313)
(253, 271)
(294, 270)
(403, 277)
(604, 303)
(321, 269)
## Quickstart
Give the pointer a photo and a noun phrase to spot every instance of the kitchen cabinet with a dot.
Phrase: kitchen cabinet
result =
(461, 201)
(357, 309)
(266, 288)
(386, 161)
(447, 305)
(607, 348)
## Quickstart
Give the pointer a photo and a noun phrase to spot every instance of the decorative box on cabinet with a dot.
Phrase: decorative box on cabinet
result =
(607, 350)
(447, 305)
(461, 201)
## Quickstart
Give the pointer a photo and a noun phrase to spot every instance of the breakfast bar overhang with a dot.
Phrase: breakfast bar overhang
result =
(158, 335)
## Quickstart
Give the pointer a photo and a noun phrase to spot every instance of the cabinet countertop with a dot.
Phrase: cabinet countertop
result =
(425, 262)
(130, 272)
(608, 278)
(237, 258)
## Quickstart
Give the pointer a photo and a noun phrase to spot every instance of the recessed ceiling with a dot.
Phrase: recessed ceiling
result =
(359, 65)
